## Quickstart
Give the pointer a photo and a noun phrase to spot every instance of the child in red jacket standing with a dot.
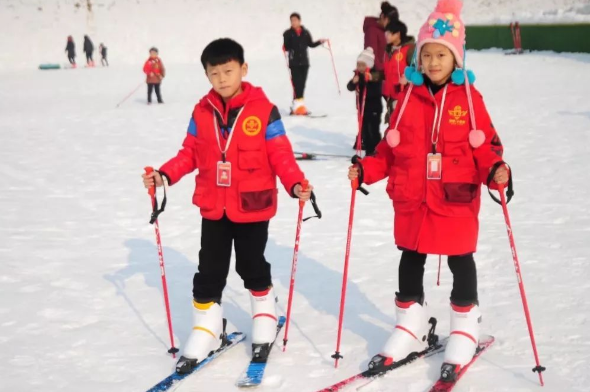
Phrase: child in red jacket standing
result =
(237, 141)
(398, 55)
(155, 72)
(436, 157)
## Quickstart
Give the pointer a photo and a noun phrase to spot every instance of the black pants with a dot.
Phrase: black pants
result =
(299, 76)
(249, 241)
(104, 61)
(152, 87)
(72, 59)
(411, 274)
(371, 135)
(89, 59)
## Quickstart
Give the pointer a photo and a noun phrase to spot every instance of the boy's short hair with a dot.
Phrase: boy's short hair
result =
(154, 49)
(296, 15)
(221, 51)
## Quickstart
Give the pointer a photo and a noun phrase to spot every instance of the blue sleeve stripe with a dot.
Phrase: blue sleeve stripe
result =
(192, 127)
(275, 129)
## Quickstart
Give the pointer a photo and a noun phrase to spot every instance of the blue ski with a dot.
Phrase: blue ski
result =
(174, 379)
(254, 373)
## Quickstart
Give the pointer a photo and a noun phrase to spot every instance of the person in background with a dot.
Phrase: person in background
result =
(374, 29)
(71, 51)
(296, 40)
(373, 107)
(103, 54)
(155, 72)
(89, 50)
(398, 55)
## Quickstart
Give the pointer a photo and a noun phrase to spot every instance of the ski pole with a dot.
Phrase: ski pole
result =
(154, 220)
(355, 185)
(334, 67)
(289, 69)
(130, 94)
(361, 114)
(525, 305)
(304, 186)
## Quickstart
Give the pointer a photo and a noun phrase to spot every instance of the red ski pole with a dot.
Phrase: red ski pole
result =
(355, 186)
(152, 192)
(518, 40)
(289, 69)
(525, 305)
(361, 115)
(130, 94)
(334, 67)
(304, 186)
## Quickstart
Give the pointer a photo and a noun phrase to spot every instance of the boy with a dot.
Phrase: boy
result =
(155, 72)
(103, 55)
(237, 141)
(371, 99)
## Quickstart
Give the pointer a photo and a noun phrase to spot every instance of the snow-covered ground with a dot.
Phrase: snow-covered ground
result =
(35, 31)
(80, 296)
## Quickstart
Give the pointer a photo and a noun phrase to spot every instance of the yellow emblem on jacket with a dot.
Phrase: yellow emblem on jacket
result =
(457, 116)
(252, 126)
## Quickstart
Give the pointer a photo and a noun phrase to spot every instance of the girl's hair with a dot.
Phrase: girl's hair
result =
(389, 11)
(397, 26)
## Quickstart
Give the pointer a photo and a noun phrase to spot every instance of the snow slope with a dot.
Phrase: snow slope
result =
(35, 31)
(80, 295)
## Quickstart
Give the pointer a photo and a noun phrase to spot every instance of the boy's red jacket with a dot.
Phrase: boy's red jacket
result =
(156, 67)
(436, 216)
(394, 67)
(258, 152)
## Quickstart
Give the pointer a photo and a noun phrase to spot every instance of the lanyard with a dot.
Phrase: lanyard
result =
(438, 114)
(231, 134)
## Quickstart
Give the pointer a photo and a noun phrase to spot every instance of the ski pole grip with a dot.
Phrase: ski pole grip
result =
(356, 160)
(501, 187)
(152, 189)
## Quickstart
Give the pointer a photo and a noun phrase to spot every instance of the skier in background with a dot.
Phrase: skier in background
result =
(373, 107)
(237, 142)
(103, 54)
(296, 40)
(89, 50)
(436, 161)
(374, 29)
(155, 72)
(398, 55)
(71, 50)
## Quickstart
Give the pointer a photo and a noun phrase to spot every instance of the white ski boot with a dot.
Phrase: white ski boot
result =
(409, 336)
(264, 323)
(463, 340)
(206, 337)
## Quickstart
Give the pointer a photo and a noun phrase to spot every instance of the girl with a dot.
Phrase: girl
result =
(398, 54)
(436, 158)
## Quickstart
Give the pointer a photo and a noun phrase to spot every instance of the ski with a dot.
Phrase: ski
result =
(252, 376)
(433, 349)
(313, 155)
(309, 114)
(171, 382)
(446, 386)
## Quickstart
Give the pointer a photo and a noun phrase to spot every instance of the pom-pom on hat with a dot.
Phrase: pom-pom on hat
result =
(367, 56)
(444, 26)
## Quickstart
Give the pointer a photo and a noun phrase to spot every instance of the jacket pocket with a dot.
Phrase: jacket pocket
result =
(396, 187)
(250, 156)
(204, 198)
(459, 180)
(256, 195)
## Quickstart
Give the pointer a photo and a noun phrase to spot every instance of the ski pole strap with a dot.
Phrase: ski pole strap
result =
(510, 189)
(155, 211)
(316, 209)
(356, 160)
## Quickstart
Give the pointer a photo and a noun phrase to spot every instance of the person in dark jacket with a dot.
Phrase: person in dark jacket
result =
(71, 50)
(103, 55)
(89, 50)
(369, 102)
(296, 40)
(374, 29)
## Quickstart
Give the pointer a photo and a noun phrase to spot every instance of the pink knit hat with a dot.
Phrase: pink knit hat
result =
(444, 26)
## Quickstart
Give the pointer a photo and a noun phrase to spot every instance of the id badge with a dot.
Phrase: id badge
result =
(223, 173)
(434, 166)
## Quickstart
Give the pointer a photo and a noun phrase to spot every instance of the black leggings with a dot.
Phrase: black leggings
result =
(249, 241)
(89, 59)
(371, 135)
(299, 77)
(152, 87)
(411, 275)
